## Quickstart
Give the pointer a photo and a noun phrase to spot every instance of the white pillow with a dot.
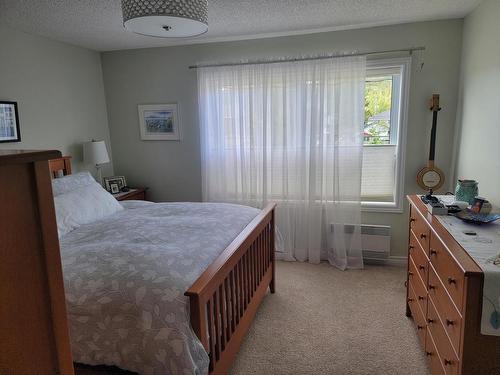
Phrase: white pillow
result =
(83, 206)
(71, 182)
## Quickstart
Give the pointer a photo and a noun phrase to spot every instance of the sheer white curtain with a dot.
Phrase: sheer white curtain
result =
(289, 133)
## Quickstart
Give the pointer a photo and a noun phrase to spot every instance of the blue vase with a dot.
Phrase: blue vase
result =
(466, 191)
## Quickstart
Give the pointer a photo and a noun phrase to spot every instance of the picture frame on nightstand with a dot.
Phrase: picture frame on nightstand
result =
(120, 181)
(114, 189)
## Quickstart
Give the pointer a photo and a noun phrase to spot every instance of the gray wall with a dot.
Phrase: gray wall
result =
(479, 152)
(59, 90)
(161, 75)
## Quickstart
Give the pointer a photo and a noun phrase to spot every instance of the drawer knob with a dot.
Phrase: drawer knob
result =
(449, 322)
(422, 236)
(433, 252)
(451, 280)
(430, 321)
(431, 286)
(410, 273)
(412, 220)
(411, 247)
(420, 327)
(447, 362)
(410, 300)
(428, 354)
(420, 298)
(422, 267)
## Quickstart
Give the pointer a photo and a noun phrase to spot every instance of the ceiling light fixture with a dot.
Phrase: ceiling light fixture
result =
(166, 18)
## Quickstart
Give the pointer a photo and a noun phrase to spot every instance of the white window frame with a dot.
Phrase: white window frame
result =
(404, 64)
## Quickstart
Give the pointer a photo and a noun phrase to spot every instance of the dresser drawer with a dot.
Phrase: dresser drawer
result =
(436, 363)
(448, 270)
(418, 317)
(418, 286)
(419, 258)
(444, 348)
(445, 308)
(420, 228)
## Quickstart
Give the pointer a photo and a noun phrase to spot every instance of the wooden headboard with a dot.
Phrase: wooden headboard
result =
(60, 167)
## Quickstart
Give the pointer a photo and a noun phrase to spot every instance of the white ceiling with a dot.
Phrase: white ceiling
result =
(97, 24)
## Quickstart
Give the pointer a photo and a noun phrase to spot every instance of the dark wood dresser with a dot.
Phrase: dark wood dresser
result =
(137, 194)
(34, 335)
(444, 297)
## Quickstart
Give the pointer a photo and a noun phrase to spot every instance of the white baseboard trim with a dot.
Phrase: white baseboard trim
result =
(397, 261)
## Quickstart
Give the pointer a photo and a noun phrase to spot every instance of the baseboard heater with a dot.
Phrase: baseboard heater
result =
(375, 240)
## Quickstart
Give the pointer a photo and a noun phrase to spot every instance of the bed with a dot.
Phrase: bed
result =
(219, 256)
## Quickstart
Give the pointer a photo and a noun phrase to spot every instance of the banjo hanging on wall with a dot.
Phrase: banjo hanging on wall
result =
(431, 178)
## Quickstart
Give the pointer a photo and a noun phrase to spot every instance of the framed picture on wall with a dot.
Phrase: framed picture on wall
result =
(159, 122)
(9, 122)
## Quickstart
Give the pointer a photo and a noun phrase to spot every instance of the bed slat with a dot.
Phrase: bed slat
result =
(60, 167)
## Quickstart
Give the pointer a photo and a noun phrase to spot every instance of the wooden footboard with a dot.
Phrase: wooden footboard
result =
(225, 298)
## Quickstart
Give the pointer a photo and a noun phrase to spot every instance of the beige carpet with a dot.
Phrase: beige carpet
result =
(325, 321)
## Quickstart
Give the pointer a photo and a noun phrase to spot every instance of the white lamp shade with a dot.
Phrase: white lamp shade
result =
(95, 152)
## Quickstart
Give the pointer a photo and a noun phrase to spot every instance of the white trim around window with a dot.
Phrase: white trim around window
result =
(403, 65)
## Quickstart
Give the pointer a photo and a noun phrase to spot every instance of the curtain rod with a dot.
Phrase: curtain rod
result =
(322, 57)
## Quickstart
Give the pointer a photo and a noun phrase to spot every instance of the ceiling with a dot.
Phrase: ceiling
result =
(97, 24)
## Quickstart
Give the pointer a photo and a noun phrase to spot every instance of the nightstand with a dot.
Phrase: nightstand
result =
(138, 194)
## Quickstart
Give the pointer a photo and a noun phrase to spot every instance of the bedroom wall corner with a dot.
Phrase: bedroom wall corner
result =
(477, 152)
(60, 94)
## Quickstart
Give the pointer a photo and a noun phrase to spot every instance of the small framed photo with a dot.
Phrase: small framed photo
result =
(114, 188)
(159, 122)
(9, 122)
(119, 181)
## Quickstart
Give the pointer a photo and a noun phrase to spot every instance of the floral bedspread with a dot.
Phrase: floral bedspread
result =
(125, 278)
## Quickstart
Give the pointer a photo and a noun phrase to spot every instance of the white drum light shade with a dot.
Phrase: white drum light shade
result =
(166, 18)
(95, 153)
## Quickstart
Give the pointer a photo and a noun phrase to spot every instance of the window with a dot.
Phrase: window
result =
(384, 131)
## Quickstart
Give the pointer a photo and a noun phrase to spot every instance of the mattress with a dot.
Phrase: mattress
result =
(125, 278)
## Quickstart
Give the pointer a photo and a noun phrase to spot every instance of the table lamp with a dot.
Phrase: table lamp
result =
(95, 153)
